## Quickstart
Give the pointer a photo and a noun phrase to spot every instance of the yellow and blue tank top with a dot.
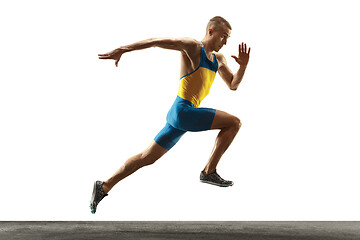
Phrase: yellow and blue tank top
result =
(196, 85)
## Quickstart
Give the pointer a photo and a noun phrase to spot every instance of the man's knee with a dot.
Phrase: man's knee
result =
(236, 123)
(152, 154)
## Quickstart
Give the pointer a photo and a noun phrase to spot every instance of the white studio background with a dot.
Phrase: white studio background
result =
(68, 118)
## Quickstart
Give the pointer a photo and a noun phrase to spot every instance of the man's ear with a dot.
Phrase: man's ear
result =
(210, 31)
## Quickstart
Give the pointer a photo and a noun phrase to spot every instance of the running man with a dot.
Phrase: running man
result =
(198, 68)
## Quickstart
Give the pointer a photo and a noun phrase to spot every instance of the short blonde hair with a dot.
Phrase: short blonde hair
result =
(215, 22)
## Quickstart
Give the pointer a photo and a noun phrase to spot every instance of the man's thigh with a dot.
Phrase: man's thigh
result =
(223, 119)
(196, 119)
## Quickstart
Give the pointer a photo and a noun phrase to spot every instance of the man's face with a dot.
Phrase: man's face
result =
(220, 37)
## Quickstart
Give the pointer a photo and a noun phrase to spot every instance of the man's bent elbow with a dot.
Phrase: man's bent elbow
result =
(233, 88)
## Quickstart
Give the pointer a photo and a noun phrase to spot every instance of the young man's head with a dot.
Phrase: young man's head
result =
(218, 31)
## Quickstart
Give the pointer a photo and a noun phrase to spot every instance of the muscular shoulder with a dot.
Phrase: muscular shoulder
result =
(220, 56)
(181, 44)
(191, 48)
(190, 45)
(188, 41)
(221, 59)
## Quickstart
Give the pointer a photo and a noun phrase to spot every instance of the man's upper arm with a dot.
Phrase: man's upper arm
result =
(224, 70)
(186, 45)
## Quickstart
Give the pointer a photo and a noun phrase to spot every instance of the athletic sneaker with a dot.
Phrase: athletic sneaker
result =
(97, 195)
(215, 179)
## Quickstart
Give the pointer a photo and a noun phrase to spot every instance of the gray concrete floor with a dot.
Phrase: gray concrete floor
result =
(180, 230)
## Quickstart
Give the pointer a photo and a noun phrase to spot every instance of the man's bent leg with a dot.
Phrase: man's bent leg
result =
(229, 126)
(147, 157)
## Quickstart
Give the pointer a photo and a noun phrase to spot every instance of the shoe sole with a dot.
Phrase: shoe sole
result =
(216, 184)
(92, 199)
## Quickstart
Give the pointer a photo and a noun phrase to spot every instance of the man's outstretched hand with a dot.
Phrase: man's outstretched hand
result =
(115, 55)
(244, 55)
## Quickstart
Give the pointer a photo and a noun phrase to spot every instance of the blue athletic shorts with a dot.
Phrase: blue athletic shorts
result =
(183, 117)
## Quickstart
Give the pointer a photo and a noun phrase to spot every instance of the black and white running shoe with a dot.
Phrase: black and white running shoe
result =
(97, 195)
(215, 179)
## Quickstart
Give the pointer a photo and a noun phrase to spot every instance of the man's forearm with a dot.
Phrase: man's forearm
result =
(148, 43)
(238, 76)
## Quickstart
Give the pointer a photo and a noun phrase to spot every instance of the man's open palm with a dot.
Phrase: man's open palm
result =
(244, 55)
